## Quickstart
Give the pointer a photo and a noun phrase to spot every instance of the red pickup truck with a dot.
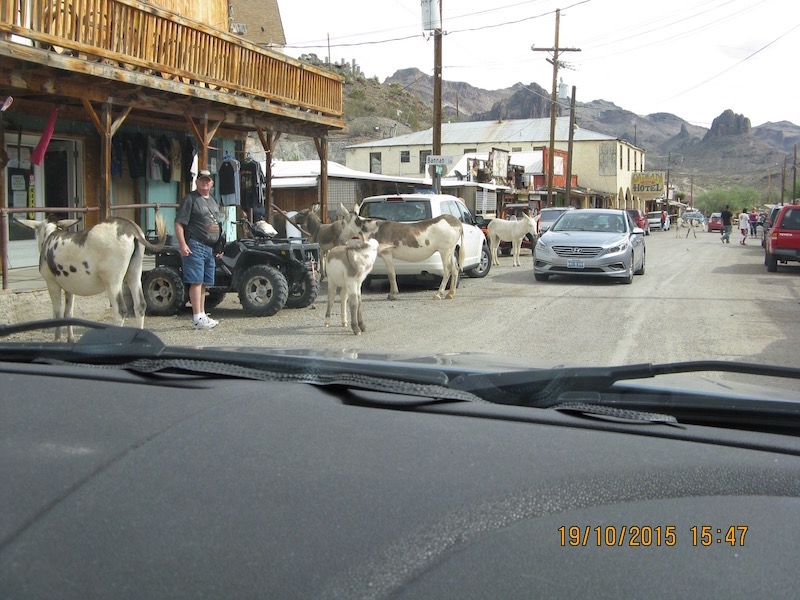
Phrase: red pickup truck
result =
(782, 244)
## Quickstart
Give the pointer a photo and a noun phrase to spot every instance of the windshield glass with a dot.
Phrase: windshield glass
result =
(589, 221)
(652, 280)
(395, 210)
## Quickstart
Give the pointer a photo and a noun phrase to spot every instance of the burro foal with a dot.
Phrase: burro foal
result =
(348, 266)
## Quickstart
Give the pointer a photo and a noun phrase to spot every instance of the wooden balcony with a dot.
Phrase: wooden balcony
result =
(141, 55)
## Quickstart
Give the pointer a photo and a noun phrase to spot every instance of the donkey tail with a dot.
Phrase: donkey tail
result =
(161, 232)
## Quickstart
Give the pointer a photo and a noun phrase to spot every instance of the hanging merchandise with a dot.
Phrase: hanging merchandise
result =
(116, 155)
(252, 180)
(229, 181)
(163, 154)
(189, 155)
(137, 154)
(38, 153)
(155, 161)
(176, 157)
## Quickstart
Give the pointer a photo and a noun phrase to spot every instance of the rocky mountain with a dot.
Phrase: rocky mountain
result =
(729, 153)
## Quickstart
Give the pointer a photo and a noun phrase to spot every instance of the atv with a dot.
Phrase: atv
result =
(268, 273)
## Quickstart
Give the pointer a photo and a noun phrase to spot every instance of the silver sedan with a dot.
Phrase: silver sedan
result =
(594, 242)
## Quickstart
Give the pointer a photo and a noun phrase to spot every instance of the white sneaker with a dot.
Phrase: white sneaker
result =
(205, 323)
(214, 322)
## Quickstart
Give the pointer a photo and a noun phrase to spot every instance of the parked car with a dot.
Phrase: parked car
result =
(767, 224)
(715, 222)
(547, 216)
(593, 242)
(640, 220)
(654, 219)
(418, 207)
(783, 242)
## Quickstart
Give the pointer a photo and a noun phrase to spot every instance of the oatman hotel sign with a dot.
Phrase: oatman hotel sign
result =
(648, 185)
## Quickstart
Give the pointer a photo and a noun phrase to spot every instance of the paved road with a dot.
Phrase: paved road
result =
(699, 298)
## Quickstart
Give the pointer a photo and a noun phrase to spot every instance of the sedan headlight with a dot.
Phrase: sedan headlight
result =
(621, 247)
(542, 248)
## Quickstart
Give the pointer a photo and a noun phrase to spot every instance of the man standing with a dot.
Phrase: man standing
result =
(727, 225)
(197, 227)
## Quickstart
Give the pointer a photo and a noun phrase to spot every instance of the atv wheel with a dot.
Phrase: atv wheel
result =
(164, 291)
(304, 292)
(263, 291)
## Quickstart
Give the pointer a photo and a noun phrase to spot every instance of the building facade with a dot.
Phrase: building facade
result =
(602, 164)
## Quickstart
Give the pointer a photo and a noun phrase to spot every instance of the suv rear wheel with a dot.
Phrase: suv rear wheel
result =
(483, 267)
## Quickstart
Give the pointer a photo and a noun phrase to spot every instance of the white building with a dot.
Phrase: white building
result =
(601, 162)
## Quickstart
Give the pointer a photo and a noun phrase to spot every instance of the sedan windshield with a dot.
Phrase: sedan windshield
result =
(588, 221)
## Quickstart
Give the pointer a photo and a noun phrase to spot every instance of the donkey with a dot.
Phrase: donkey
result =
(348, 266)
(325, 234)
(93, 261)
(413, 242)
(501, 230)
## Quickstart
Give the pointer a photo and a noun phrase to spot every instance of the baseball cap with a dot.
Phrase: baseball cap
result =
(204, 173)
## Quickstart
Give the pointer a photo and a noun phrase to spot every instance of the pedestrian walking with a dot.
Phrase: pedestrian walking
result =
(744, 226)
(727, 225)
(753, 223)
(663, 219)
(197, 227)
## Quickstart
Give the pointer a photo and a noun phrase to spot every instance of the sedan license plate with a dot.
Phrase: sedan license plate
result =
(575, 263)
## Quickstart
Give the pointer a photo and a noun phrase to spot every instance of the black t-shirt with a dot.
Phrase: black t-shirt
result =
(200, 218)
(726, 217)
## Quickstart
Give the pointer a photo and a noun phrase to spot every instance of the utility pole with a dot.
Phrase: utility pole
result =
(432, 21)
(553, 104)
(437, 100)
(783, 180)
(569, 146)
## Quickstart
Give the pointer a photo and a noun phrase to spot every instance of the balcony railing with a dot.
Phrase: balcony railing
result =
(140, 37)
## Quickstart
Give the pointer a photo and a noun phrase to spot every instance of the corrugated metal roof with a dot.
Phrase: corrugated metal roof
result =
(310, 168)
(497, 132)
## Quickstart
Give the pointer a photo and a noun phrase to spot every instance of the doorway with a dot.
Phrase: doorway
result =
(54, 183)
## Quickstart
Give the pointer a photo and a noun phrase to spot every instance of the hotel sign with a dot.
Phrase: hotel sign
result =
(648, 185)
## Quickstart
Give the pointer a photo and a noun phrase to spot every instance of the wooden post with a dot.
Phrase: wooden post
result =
(268, 141)
(322, 150)
(106, 127)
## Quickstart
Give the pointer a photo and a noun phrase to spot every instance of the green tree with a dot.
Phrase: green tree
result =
(737, 198)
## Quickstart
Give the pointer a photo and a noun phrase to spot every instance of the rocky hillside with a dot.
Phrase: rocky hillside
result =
(730, 153)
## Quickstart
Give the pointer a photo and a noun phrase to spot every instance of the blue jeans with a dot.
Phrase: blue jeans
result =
(726, 233)
(200, 265)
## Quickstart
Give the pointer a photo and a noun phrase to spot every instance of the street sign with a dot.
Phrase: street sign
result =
(435, 159)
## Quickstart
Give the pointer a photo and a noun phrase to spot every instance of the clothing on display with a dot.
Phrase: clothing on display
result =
(229, 185)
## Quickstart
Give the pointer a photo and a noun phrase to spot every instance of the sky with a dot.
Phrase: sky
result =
(691, 58)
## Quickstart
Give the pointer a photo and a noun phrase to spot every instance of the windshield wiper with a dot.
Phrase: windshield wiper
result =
(544, 388)
(141, 351)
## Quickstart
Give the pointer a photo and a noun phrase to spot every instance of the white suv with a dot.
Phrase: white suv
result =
(418, 207)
